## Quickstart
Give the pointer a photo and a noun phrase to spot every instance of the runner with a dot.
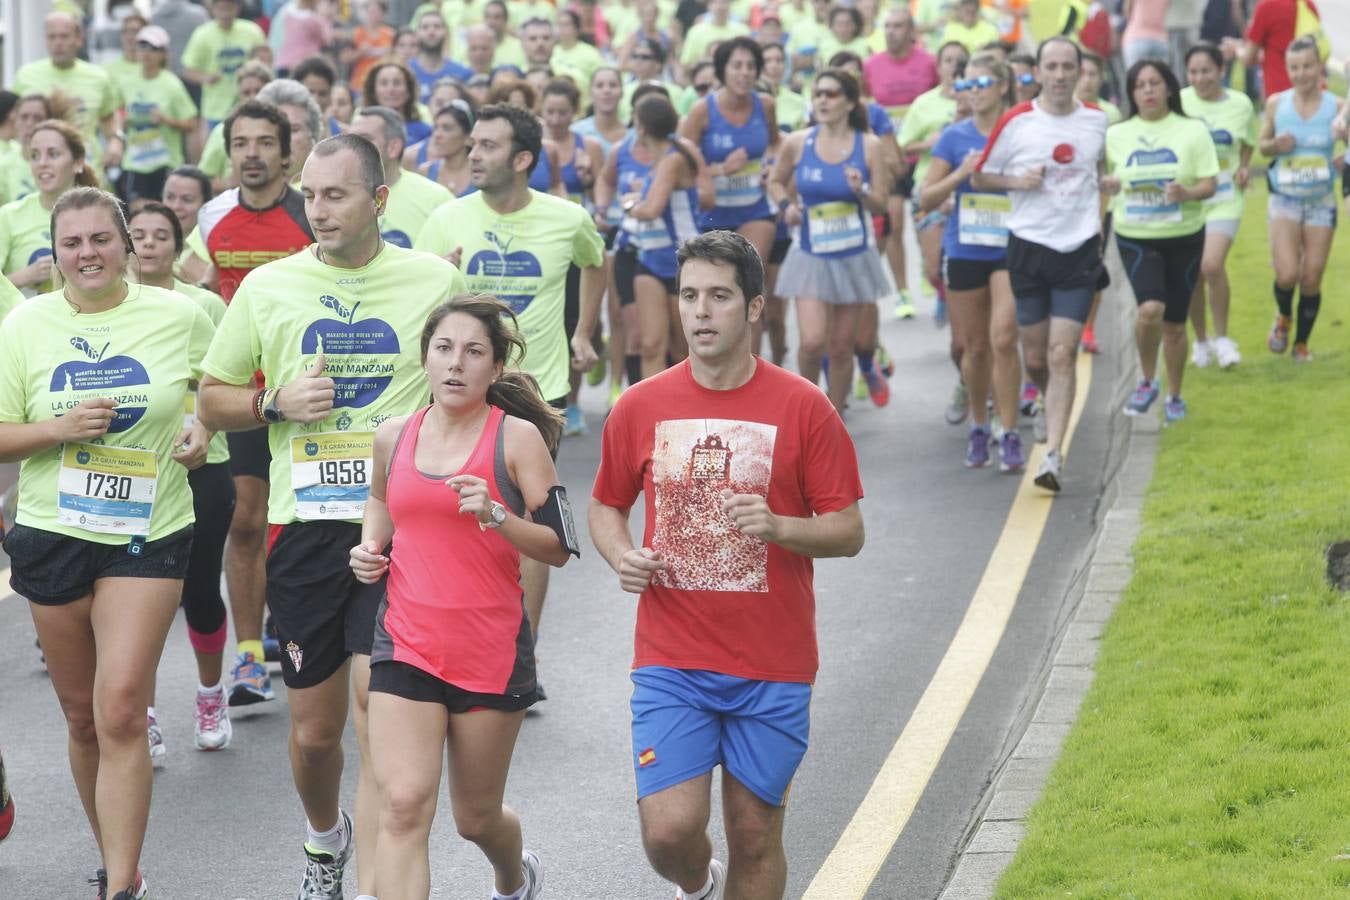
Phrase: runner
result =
(260, 221)
(159, 113)
(249, 79)
(840, 176)
(303, 112)
(104, 526)
(412, 197)
(430, 64)
(605, 121)
(1047, 154)
(448, 673)
(735, 127)
(1089, 90)
(974, 244)
(1162, 168)
(186, 191)
(214, 53)
(735, 454)
(390, 83)
(517, 244)
(675, 187)
(317, 323)
(57, 159)
(1232, 124)
(157, 238)
(1297, 134)
(29, 112)
(444, 157)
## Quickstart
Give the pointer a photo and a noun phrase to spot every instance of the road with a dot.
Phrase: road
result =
(227, 825)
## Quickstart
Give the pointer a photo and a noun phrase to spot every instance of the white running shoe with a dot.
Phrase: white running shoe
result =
(1226, 352)
(1202, 354)
(212, 729)
(1039, 428)
(158, 751)
(534, 875)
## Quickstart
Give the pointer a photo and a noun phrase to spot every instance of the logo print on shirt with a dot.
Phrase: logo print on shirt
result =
(353, 349)
(397, 238)
(1063, 154)
(95, 376)
(516, 273)
(1159, 157)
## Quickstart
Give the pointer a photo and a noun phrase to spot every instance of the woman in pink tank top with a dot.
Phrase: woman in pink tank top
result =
(461, 490)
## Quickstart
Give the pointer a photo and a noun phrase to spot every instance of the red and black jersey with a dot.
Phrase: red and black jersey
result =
(240, 239)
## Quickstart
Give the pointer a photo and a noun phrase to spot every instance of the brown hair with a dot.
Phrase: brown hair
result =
(501, 92)
(515, 392)
(409, 109)
(85, 176)
(87, 198)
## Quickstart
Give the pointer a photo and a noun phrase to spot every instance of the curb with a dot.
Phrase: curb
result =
(1101, 576)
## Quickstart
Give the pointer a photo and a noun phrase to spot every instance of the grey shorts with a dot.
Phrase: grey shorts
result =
(1226, 227)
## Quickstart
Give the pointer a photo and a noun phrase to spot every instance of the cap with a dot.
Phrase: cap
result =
(154, 36)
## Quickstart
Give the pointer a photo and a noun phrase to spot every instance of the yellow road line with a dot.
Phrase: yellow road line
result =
(862, 849)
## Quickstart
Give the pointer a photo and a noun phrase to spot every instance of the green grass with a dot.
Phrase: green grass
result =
(1210, 756)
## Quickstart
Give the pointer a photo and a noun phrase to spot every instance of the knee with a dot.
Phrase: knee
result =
(750, 843)
(80, 724)
(1062, 355)
(1150, 313)
(667, 840)
(811, 345)
(1004, 342)
(1034, 359)
(121, 714)
(475, 825)
(1173, 331)
(315, 740)
(248, 525)
(404, 811)
(1212, 268)
(653, 344)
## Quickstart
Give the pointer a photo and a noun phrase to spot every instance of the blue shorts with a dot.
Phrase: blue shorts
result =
(729, 218)
(686, 722)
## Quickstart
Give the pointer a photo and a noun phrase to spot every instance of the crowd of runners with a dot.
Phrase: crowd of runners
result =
(299, 299)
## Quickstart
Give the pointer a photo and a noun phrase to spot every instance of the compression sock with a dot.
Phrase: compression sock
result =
(254, 647)
(1284, 299)
(632, 365)
(1308, 305)
(864, 363)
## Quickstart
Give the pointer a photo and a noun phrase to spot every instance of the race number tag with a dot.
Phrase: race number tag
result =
(189, 409)
(1303, 176)
(330, 474)
(1145, 202)
(741, 188)
(983, 220)
(110, 490)
(835, 227)
(147, 150)
(652, 234)
(1223, 188)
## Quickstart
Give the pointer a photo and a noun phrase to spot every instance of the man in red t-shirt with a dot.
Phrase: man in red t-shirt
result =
(1270, 33)
(748, 474)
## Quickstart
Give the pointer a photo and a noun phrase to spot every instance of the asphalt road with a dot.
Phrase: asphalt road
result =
(227, 825)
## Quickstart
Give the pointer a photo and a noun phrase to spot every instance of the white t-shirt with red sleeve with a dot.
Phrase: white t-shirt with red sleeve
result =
(727, 602)
(1065, 211)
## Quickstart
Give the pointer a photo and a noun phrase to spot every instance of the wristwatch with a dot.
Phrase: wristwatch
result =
(272, 413)
(496, 517)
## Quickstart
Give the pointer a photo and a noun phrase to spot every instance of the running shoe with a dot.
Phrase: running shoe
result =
(534, 875)
(940, 314)
(595, 375)
(884, 361)
(323, 870)
(977, 448)
(1278, 339)
(212, 730)
(1142, 398)
(718, 872)
(1010, 457)
(996, 429)
(958, 406)
(877, 388)
(1030, 394)
(574, 424)
(1048, 475)
(100, 881)
(136, 891)
(1226, 352)
(1301, 354)
(6, 804)
(1039, 427)
(249, 682)
(614, 391)
(1174, 410)
(271, 643)
(158, 752)
(904, 307)
(1202, 354)
(1089, 340)
(860, 387)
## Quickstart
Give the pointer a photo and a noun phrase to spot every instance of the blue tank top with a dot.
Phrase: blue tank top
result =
(586, 128)
(659, 239)
(978, 227)
(740, 195)
(834, 223)
(1304, 172)
(541, 179)
(570, 179)
(628, 170)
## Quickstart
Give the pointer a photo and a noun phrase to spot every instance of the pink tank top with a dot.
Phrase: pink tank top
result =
(454, 607)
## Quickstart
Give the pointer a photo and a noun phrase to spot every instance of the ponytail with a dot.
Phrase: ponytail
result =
(85, 176)
(517, 393)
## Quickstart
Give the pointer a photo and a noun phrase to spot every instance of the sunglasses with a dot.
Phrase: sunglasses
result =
(828, 93)
(1026, 78)
(642, 56)
(979, 81)
(703, 88)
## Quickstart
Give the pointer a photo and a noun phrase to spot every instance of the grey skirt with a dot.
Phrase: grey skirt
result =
(835, 280)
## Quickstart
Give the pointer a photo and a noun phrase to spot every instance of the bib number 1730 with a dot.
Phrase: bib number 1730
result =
(109, 487)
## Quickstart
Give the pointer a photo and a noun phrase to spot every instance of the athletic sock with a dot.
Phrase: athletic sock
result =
(864, 363)
(330, 841)
(1308, 305)
(1284, 299)
(632, 366)
(150, 712)
(701, 893)
(254, 647)
(216, 689)
(520, 893)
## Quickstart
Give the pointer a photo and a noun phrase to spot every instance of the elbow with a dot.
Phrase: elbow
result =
(979, 181)
(853, 546)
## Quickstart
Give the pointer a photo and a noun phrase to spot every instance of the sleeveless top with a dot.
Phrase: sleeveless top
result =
(659, 239)
(628, 170)
(454, 607)
(740, 194)
(834, 223)
(1305, 172)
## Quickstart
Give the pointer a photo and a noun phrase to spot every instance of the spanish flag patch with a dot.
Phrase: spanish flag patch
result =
(646, 757)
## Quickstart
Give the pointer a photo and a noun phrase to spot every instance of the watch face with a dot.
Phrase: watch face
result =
(498, 513)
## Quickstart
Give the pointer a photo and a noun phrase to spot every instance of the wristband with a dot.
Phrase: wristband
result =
(258, 405)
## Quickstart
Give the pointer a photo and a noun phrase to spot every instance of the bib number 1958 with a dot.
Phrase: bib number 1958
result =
(330, 474)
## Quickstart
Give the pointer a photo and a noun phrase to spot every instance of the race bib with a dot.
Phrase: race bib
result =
(1223, 189)
(110, 490)
(741, 188)
(1303, 176)
(983, 220)
(330, 474)
(189, 409)
(652, 235)
(835, 227)
(1146, 203)
(147, 150)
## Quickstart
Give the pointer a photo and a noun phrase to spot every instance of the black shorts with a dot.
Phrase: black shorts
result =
(903, 186)
(1048, 283)
(625, 270)
(411, 683)
(1345, 179)
(572, 301)
(132, 186)
(610, 235)
(53, 569)
(322, 613)
(671, 284)
(1164, 269)
(970, 274)
(249, 453)
(779, 251)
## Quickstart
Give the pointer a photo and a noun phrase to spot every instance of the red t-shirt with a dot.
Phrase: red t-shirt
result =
(1272, 29)
(239, 239)
(898, 82)
(727, 602)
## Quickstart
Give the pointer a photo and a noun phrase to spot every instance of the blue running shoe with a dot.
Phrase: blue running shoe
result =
(1142, 398)
(1010, 458)
(977, 449)
(249, 682)
(574, 424)
(1174, 410)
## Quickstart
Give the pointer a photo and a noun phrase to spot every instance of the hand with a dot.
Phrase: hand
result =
(735, 161)
(474, 499)
(189, 448)
(38, 273)
(636, 568)
(1339, 129)
(454, 256)
(1175, 193)
(156, 117)
(87, 421)
(213, 78)
(968, 164)
(112, 154)
(582, 164)
(601, 220)
(1241, 176)
(1110, 185)
(947, 206)
(1284, 143)
(750, 513)
(309, 398)
(1033, 178)
(1229, 47)
(629, 200)
(854, 179)
(368, 563)
(583, 354)
(793, 213)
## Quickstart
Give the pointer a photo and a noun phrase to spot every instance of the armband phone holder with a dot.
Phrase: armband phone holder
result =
(556, 513)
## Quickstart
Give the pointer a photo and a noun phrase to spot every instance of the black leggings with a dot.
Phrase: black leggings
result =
(213, 505)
